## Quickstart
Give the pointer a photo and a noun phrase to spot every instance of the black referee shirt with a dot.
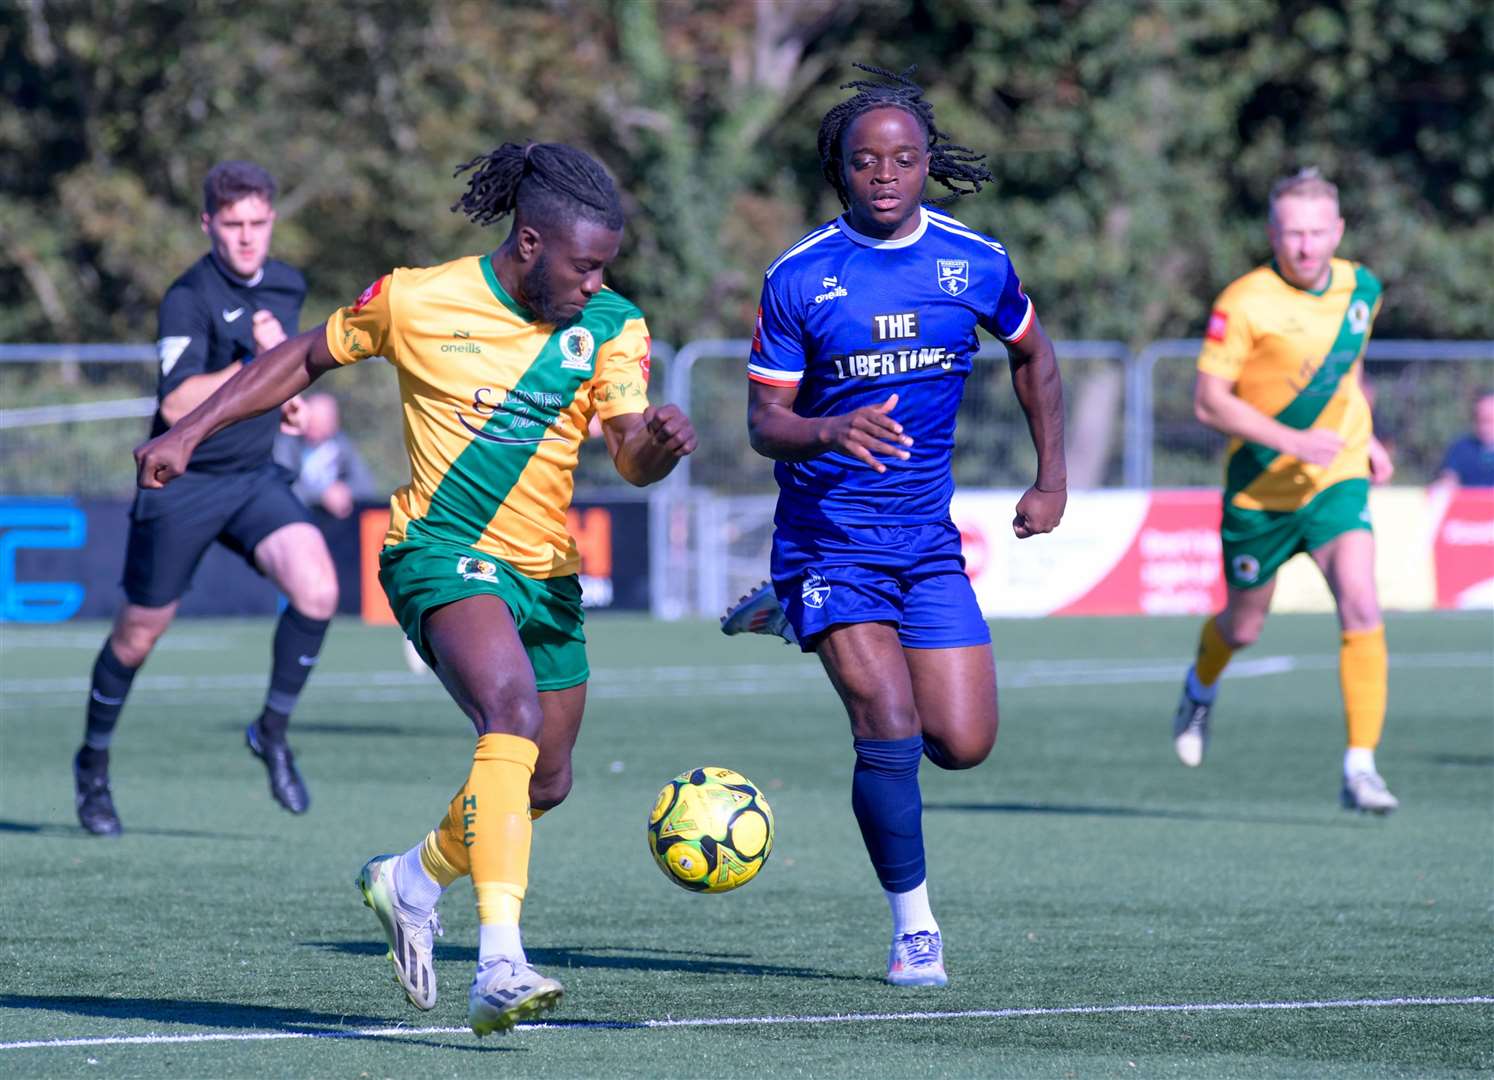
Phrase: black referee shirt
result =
(206, 322)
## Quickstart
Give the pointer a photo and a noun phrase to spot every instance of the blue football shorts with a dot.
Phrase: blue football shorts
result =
(910, 575)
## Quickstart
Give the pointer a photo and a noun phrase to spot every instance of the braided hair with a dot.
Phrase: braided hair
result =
(956, 167)
(549, 184)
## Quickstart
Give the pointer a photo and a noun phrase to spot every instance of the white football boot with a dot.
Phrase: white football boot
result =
(506, 992)
(410, 941)
(1190, 729)
(1365, 791)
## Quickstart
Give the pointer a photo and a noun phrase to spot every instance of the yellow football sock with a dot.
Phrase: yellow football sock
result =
(1363, 672)
(444, 853)
(1213, 654)
(495, 811)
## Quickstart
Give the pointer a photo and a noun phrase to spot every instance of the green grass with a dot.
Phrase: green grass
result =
(1079, 866)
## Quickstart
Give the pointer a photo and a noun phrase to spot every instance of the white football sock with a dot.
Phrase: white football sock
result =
(495, 942)
(1358, 759)
(910, 910)
(418, 891)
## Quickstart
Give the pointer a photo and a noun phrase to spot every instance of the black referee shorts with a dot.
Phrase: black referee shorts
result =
(171, 527)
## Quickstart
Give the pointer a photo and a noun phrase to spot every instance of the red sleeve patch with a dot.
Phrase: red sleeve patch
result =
(757, 332)
(1218, 324)
(367, 295)
(648, 358)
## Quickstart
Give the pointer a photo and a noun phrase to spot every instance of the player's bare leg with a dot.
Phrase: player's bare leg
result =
(868, 668)
(134, 634)
(296, 559)
(954, 691)
(1236, 627)
(1348, 564)
(562, 711)
(481, 661)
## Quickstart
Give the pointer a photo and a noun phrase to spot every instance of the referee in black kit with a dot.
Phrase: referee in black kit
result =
(231, 305)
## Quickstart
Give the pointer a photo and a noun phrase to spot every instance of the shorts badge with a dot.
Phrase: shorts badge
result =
(477, 569)
(816, 590)
(1246, 568)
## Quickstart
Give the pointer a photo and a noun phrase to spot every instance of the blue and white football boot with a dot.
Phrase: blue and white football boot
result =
(758, 613)
(917, 959)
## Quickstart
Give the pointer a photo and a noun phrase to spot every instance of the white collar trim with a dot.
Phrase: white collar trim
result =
(248, 283)
(871, 241)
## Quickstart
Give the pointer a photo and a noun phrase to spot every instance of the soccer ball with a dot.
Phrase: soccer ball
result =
(711, 830)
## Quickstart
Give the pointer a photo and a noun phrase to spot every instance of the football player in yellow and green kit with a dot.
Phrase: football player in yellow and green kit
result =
(503, 361)
(1280, 374)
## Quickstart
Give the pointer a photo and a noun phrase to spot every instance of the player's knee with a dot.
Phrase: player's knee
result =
(964, 752)
(1243, 631)
(132, 641)
(883, 720)
(316, 597)
(1360, 614)
(508, 707)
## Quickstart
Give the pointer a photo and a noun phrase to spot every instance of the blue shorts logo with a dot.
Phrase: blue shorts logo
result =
(816, 590)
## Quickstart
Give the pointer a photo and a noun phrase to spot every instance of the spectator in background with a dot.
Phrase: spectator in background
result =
(330, 473)
(1469, 461)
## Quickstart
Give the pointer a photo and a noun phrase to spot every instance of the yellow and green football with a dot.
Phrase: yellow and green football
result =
(710, 830)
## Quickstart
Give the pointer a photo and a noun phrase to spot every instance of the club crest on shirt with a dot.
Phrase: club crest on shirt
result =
(576, 347)
(954, 275)
(477, 569)
(816, 590)
(1359, 316)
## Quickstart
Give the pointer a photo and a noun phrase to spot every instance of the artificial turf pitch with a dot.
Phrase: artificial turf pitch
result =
(1080, 866)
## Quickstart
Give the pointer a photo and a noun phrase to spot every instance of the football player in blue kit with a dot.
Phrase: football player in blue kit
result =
(230, 306)
(865, 337)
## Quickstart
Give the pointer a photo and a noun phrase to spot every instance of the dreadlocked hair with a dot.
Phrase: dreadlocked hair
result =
(547, 183)
(956, 167)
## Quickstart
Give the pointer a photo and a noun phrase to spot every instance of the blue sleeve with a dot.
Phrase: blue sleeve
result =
(1452, 461)
(777, 342)
(183, 326)
(1011, 316)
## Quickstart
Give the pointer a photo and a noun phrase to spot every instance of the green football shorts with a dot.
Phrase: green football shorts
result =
(420, 575)
(1257, 542)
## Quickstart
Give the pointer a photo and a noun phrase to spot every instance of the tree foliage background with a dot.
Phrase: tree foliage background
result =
(1133, 142)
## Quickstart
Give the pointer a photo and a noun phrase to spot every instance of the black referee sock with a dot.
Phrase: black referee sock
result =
(298, 641)
(106, 697)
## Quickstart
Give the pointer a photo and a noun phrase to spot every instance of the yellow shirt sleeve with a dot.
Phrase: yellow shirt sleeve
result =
(1228, 339)
(620, 384)
(364, 327)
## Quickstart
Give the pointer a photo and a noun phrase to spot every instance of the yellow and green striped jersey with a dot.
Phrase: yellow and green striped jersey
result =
(495, 404)
(1296, 356)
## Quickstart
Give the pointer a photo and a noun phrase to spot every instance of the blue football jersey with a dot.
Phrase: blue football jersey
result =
(849, 319)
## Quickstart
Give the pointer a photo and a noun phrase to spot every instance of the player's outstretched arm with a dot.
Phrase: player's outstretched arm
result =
(777, 432)
(1216, 405)
(646, 446)
(1039, 388)
(272, 379)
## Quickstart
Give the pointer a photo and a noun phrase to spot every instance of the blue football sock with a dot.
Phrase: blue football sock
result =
(889, 809)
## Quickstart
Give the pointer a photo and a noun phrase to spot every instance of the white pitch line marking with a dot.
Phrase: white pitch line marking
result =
(760, 678)
(748, 1021)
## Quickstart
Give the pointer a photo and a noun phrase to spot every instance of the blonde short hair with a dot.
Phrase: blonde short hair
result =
(1307, 182)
